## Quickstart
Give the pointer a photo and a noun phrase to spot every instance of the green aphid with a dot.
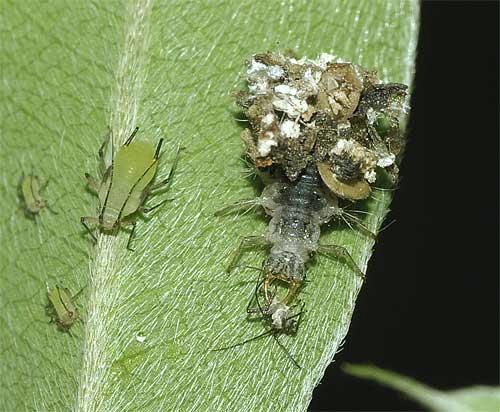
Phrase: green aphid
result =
(125, 185)
(30, 190)
(61, 308)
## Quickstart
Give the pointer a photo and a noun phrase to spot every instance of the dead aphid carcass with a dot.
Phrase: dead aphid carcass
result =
(62, 308)
(30, 193)
(319, 132)
(126, 183)
(278, 318)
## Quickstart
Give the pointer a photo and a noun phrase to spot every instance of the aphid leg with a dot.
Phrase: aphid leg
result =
(44, 186)
(165, 182)
(287, 352)
(78, 293)
(246, 243)
(130, 237)
(104, 143)
(92, 183)
(255, 295)
(92, 220)
(150, 209)
(243, 204)
(340, 252)
(51, 209)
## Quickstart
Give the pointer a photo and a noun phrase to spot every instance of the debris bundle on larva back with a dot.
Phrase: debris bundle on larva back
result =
(319, 130)
(322, 111)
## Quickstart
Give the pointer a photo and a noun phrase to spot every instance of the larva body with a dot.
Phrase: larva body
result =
(297, 210)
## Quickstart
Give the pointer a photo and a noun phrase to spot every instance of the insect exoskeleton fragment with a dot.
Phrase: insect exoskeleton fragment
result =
(30, 191)
(319, 133)
(62, 308)
(126, 184)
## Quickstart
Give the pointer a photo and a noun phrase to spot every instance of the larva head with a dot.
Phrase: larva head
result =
(284, 265)
(61, 307)
(30, 188)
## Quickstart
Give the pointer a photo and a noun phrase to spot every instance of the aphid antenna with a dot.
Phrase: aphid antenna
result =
(262, 335)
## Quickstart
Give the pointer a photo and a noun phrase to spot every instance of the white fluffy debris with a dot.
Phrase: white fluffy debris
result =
(280, 314)
(264, 145)
(290, 129)
(387, 160)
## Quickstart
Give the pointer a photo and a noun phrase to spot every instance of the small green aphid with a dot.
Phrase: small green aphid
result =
(125, 185)
(30, 189)
(61, 308)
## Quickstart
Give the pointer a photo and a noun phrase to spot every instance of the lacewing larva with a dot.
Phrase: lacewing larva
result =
(126, 184)
(319, 132)
(62, 308)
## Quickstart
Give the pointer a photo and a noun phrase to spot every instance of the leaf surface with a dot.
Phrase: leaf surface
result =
(152, 317)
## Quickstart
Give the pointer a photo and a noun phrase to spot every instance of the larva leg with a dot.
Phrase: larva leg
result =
(246, 243)
(340, 252)
(243, 204)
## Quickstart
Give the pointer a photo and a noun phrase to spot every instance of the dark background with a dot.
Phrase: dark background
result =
(429, 308)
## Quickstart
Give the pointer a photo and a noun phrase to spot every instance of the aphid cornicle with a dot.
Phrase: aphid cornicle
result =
(61, 307)
(126, 183)
(30, 190)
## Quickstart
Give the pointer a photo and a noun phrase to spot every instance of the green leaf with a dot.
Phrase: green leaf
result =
(72, 68)
(473, 399)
